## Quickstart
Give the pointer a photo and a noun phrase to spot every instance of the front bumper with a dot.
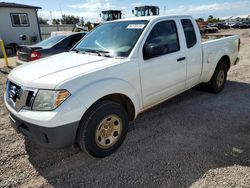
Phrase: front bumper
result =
(51, 137)
(53, 129)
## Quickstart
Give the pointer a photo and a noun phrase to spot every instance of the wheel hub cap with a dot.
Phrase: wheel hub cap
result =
(220, 78)
(108, 131)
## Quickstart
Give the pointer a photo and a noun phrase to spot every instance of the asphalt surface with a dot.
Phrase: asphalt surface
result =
(196, 139)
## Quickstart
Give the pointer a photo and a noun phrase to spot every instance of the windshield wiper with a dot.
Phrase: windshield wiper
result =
(98, 52)
(77, 50)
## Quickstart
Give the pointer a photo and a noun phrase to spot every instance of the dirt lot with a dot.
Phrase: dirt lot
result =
(196, 139)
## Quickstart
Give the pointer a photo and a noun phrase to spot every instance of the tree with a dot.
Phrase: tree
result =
(69, 19)
(56, 21)
(211, 19)
(42, 21)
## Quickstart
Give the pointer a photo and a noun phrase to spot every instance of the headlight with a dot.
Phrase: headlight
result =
(47, 100)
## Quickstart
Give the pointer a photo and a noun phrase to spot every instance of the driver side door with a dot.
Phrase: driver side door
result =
(162, 64)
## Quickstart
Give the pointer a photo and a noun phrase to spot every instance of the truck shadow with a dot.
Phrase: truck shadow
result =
(171, 145)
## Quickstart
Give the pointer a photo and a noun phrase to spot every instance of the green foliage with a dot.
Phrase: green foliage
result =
(211, 19)
(56, 21)
(42, 21)
(69, 19)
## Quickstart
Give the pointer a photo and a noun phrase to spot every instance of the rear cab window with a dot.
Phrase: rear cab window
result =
(189, 32)
(51, 41)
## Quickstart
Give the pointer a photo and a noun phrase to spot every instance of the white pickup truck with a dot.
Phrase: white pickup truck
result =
(120, 69)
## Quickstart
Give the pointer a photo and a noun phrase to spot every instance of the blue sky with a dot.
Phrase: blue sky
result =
(92, 8)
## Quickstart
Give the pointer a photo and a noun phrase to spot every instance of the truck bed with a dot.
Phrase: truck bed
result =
(216, 46)
(206, 38)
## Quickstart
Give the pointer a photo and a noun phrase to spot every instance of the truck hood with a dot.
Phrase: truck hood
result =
(47, 73)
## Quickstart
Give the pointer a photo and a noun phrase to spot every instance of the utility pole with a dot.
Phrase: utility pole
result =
(50, 12)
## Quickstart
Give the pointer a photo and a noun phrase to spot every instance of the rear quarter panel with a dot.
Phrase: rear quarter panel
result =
(214, 50)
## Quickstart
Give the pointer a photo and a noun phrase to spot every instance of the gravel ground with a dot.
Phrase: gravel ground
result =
(196, 139)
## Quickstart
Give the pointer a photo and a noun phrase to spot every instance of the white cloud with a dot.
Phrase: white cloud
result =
(220, 8)
(137, 4)
(93, 5)
(87, 16)
(91, 9)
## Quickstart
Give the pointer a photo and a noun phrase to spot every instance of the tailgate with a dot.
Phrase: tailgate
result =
(24, 51)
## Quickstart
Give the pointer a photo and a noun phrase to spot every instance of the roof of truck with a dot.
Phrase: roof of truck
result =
(111, 10)
(146, 6)
(151, 18)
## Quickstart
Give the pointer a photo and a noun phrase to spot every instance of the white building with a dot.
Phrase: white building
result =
(16, 20)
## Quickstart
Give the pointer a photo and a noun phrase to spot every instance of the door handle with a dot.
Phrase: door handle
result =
(181, 59)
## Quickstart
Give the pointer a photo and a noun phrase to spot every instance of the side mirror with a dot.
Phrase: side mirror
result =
(153, 50)
(133, 12)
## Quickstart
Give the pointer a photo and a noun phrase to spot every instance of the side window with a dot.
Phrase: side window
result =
(189, 31)
(19, 19)
(64, 43)
(163, 39)
(75, 39)
(69, 41)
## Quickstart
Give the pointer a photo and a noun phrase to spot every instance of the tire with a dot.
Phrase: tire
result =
(103, 129)
(219, 78)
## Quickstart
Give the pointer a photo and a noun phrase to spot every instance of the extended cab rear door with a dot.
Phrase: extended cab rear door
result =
(162, 64)
(192, 50)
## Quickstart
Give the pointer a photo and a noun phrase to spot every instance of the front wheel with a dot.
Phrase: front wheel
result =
(219, 78)
(103, 129)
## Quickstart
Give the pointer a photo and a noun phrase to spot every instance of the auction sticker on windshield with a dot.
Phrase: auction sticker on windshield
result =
(136, 26)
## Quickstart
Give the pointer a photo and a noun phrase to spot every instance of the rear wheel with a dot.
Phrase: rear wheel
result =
(219, 78)
(103, 129)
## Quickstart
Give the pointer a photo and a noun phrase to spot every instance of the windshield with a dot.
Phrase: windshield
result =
(51, 41)
(147, 11)
(114, 38)
(107, 17)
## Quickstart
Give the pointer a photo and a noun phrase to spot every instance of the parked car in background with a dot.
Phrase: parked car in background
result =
(233, 25)
(221, 26)
(241, 25)
(244, 25)
(209, 29)
(50, 46)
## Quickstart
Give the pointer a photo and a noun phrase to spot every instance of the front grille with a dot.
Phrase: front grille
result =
(18, 97)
